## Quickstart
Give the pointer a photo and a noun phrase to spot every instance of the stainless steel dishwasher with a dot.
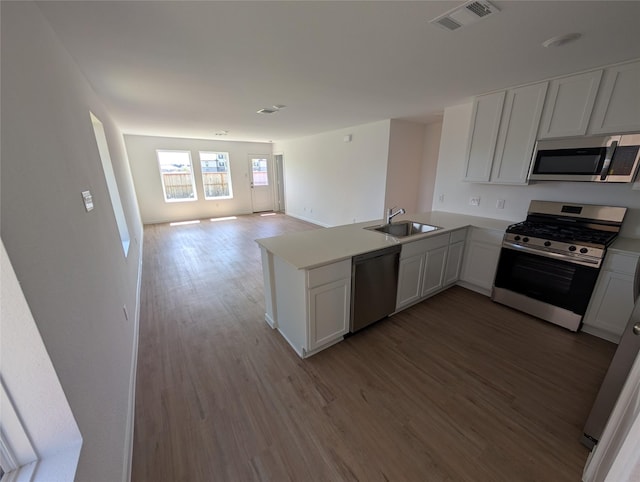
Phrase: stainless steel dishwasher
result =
(374, 284)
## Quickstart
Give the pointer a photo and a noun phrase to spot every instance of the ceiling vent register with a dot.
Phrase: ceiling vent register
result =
(465, 14)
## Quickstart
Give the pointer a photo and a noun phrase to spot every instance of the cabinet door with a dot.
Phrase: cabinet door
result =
(409, 277)
(611, 304)
(483, 135)
(329, 310)
(518, 132)
(569, 104)
(454, 263)
(433, 270)
(480, 263)
(617, 107)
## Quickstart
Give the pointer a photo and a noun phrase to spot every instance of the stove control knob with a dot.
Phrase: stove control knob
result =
(547, 243)
(516, 238)
(572, 248)
(584, 250)
(525, 239)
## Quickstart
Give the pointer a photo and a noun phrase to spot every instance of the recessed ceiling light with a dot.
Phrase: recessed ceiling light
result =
(561, 40)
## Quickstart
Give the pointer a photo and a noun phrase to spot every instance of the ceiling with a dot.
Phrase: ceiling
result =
(191, 69)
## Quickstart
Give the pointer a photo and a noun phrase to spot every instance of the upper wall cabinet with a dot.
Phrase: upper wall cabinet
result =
(485, 124)
(617, 107)
(503, 132)
(569, 104)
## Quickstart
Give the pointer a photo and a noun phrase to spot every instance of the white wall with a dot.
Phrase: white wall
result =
(406, 145)
(456, 193)
(428, 169)
(70, 262)
(144, 167)
(332, 182)
(33, 387)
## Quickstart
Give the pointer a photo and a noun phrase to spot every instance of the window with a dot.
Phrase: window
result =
(112, 185)
(260, 173)
(177, 176)
(216, 175)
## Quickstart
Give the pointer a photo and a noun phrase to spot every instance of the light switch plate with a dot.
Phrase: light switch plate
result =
(88, 200)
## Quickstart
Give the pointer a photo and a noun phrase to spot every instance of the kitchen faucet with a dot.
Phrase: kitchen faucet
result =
(391, 214)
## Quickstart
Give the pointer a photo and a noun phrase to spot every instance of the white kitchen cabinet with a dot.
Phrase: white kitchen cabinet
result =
(455, 254)
(432, 280)
(613, 297)
(329, 310)
(409, 275)
(617, 107)
(503, 132)
(312, 307)
(483, 135)
(518, 133)
(481, 259)
(569, 104)
(421, 269)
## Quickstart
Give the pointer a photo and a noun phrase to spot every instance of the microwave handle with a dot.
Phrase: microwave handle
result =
(607, 159)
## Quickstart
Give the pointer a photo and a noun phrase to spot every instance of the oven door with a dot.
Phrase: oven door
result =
(548, 280)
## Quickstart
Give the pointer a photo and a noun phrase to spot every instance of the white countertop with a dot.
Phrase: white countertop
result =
(625, 245)
(317, 247)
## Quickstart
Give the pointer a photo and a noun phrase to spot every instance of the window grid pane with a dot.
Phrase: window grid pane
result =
(260, 173)
(216, 175)
(177, 176)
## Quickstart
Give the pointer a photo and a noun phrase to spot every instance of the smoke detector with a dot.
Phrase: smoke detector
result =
(271, 110)
(465, 14)
(561, 40)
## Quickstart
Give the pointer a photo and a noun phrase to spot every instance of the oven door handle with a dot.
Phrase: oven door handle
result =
(595, 263)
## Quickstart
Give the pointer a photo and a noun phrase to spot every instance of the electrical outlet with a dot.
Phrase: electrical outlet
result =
(441, 198)
(474, 201)
(500, 204)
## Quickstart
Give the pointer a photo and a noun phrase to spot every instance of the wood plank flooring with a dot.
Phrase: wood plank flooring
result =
(456, 388)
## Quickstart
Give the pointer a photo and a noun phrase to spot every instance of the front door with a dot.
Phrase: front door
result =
(261, 185)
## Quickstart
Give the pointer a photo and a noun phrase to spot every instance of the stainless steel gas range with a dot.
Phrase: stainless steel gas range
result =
(549, 263)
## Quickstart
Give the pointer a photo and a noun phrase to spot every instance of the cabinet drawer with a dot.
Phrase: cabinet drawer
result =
(329, 273)
(423, 245)
(620, 263)
(459, 235)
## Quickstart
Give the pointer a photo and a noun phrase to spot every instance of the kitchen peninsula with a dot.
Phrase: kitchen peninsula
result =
(307, 275)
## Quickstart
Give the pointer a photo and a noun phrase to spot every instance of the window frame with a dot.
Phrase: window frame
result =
(112, 183)
(228, 172)
(191, 172)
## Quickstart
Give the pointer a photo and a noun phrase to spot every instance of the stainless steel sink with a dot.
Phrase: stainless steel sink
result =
(403, 229)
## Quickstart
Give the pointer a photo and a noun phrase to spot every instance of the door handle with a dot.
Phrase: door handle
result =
(636, 329)
(607, 159)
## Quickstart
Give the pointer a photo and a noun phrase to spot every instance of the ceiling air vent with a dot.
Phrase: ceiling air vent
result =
(465, 14)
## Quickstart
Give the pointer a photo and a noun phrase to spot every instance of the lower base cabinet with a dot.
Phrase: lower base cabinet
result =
(434, 263)
(329, 310)
(409, 275)
(429, 265)
(481, 259)
(455, 254)
(613, 298)
(311, 308)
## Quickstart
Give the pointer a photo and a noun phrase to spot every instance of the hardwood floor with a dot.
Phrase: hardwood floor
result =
(456, 388)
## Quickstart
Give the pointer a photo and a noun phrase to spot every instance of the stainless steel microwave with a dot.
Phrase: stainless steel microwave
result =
(594, 159)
